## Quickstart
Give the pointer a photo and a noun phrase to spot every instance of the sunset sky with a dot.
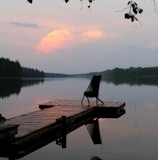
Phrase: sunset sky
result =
(53, 36)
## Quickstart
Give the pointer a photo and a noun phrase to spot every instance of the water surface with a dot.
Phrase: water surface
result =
(132, 136)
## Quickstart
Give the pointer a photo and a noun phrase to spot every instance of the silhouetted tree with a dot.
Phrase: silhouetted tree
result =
(13, 69)
(132, 72)
(132, 75)
(9, 68)
(31, 73)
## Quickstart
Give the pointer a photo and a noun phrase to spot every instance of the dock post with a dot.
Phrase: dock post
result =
(63, 131)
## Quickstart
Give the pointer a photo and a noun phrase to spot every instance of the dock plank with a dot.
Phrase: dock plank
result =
(45, 125)
(33, 121)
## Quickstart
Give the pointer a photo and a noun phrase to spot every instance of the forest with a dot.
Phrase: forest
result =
(132, 76)
(13, 69)
(132, 72)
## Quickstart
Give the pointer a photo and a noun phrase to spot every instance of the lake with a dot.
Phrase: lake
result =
(132, 136)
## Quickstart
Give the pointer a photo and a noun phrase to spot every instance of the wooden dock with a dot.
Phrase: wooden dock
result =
(55, 119)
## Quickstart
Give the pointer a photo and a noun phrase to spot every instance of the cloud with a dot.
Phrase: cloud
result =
(66, 39)
(23, 24)
(98, 34)
(93, 34)
(54, 40)
(152, 45)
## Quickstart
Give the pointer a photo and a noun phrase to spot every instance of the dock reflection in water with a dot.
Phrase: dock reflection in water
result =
(42, 127)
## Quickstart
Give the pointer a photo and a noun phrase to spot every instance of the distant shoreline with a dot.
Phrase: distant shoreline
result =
(146, 72)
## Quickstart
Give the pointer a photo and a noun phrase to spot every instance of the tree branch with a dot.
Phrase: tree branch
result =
(155, 7)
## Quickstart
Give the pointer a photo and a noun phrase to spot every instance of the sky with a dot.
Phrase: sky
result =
(53, 36)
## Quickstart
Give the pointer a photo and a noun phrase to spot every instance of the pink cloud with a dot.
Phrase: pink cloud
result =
(98, 34)
(54, 40)
(152, 45)
(65, 39)
(93, 34)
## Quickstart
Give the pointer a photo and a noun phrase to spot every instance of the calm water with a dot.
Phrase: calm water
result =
(132, 136)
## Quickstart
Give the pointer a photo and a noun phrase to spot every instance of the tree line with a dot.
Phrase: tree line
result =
(13, 69)
(132, 76)
(132, 72)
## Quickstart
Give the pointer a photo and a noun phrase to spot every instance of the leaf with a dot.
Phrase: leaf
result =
(132, 18)
(135, 4)
(136, 18)
(30, 1)
(135, 11)
(129, 2)
(127, 15)
(140, 10)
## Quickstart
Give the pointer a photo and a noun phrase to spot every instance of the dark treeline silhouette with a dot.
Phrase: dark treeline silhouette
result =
(132, 76)
(63, 75)
(132, 72)
(117, 76)
(10, 68)
(13, 77)
(56, 75)
(32, 73)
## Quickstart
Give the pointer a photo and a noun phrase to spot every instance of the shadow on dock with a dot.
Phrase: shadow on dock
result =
(18, 147)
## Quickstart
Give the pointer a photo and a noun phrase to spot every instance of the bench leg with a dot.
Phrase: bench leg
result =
(82, 99)
(97, 99)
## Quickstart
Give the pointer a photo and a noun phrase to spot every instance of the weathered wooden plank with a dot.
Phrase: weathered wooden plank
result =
(36, 120)
(39, 125)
